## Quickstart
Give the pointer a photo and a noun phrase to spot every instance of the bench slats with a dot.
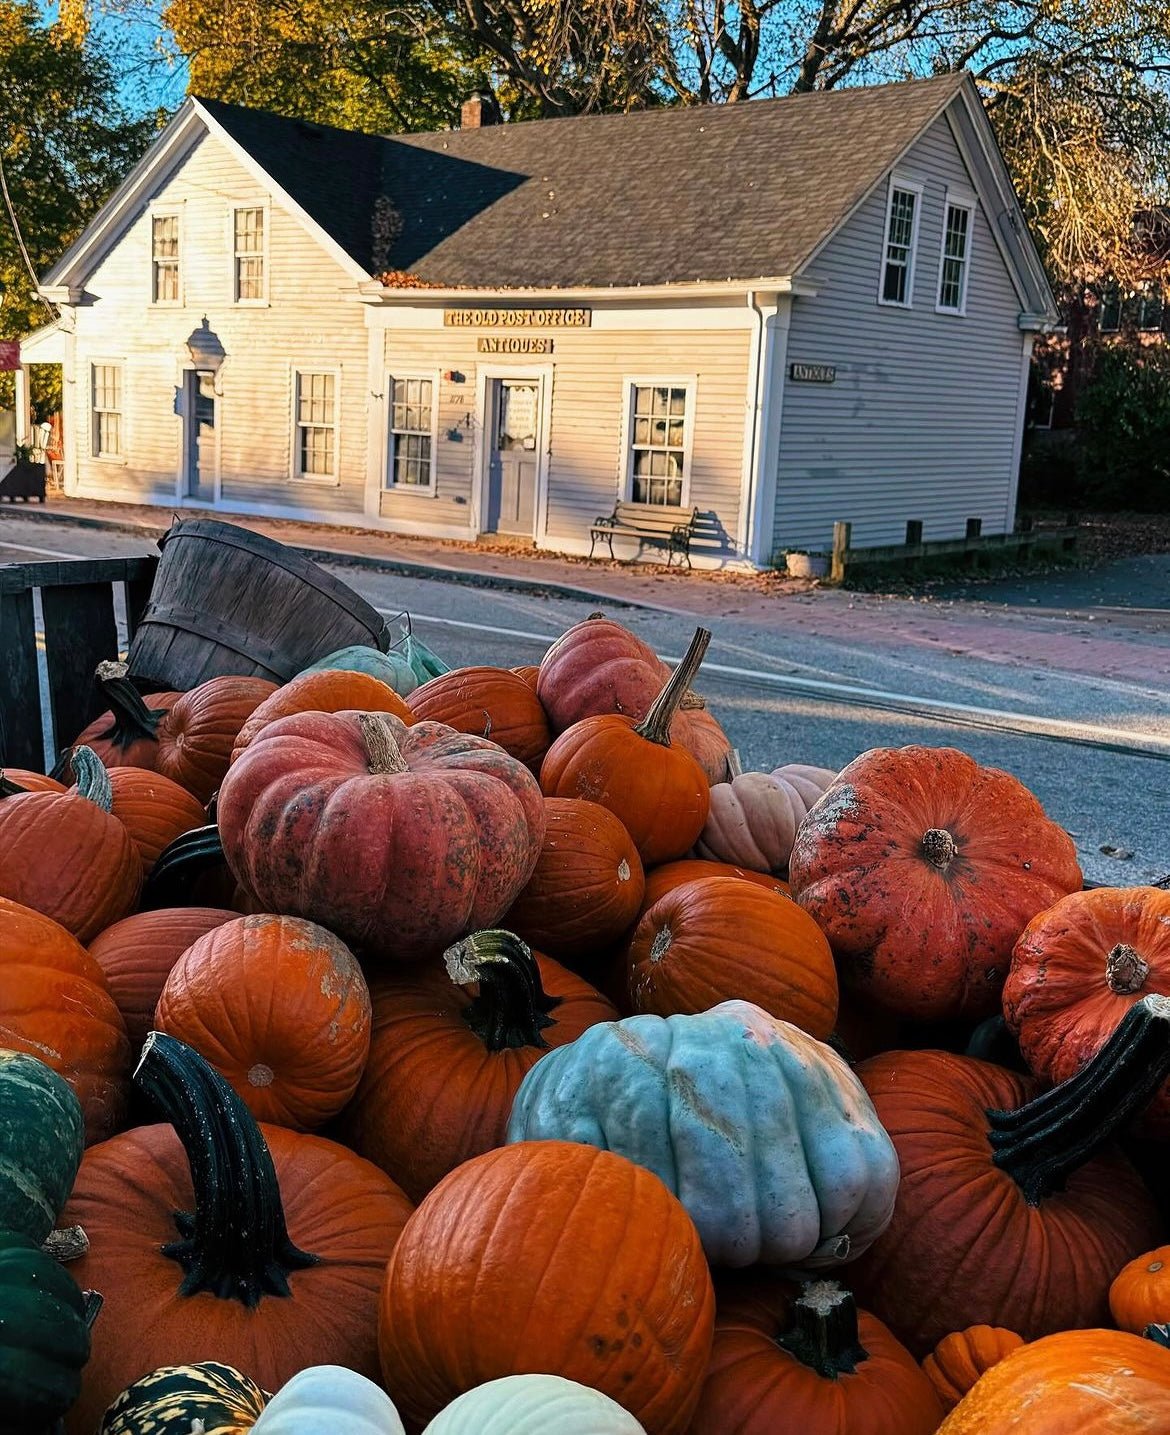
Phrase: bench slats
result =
(669, 528)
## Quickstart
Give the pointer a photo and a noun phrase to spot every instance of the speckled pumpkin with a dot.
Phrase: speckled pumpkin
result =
(209, 1397)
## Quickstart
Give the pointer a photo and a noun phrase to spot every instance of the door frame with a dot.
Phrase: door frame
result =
(181, 494)
(486, 378)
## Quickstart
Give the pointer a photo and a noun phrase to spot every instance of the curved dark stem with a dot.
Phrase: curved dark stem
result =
(132, 719)
(179, 865)
(1159, 1334)
(62, 769)
(824, 1334)
(8, 788)
(655, 726)
(1042, 1142)
(512, 1007)
(236, 1245)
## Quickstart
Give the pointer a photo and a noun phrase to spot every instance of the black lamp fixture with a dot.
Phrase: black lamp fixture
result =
(207, 353)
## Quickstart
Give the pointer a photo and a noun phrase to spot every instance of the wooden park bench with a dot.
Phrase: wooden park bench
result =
(652, 525)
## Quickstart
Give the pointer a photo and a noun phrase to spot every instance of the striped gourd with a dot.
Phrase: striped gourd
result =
(176, 1399)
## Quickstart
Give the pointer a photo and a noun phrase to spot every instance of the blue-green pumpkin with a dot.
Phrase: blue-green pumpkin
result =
(42, 1136)
(209, 1397)
(763, 1132)
(44, 1338)
(392, 668)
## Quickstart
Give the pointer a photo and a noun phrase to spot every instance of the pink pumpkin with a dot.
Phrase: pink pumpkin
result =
(752, 820)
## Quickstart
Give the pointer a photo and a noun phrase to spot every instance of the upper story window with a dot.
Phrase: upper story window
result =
(249, 278)
(412, 417)
(901, 241)
(956, 256)
(164, 254)
(315, 424)
(1143, 310)
(106, 403)
(658, 443)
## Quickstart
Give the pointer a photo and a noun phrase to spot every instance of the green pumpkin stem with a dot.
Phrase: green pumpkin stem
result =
(655, 726)
(133, 721)
(1041, 1143)
(91, 778)
(512, 1007)
(236, 1245)
(824, 1334)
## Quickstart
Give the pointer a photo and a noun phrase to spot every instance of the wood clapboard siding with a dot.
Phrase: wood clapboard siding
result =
(307, 323)
(921, 420)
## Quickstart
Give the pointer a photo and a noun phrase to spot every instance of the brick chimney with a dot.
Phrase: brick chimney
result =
(478, 111)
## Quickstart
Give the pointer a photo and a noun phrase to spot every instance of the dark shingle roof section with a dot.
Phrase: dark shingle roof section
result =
(704, 194)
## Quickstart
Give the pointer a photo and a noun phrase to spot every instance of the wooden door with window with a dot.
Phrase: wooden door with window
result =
(513, 461)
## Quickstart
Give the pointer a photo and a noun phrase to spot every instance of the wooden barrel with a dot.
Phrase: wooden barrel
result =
(226, 600)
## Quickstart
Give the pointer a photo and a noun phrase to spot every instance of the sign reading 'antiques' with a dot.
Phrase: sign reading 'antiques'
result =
(514, 344)
(518, 318)
(812, 373)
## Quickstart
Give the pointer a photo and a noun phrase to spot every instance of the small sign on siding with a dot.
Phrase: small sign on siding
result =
(812, 373)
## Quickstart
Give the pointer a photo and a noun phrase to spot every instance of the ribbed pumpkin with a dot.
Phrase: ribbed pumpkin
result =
(959, 1359)
(1139, 1294)
(668, 875)
(54, 1005)
(280, 1008)
(699, 731)
(391, 668)
(176, 1399)
(529, 672)
(1079, 1382)
(490, 702)
(922, 868)
(42, 1134)
(549, 1257)
(719, 939)
(586, 891)
(20, 779)
(329, 1398)
(153, 809)
(137, 954)
(331, 691)
(1077, 969)
(67, 856)
(656, 788)
(533, 1405)
(275, 1213)
(1002, 1198)
(812, 1364)
(399, 839)
(754, 816)
(446, 1061)
(126, 735)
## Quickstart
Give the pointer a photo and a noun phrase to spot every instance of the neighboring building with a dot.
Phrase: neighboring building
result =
(783, 312)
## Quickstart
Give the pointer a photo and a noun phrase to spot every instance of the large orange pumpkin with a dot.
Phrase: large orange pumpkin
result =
(201, 1230)
(55, 1006)
(549, 1256)
(153, 809)
(586, 891)
(280, 1008)
(329, 691)
(959, 1359)
(490, 702)
(14, 780)
(446, 1061)
(923, 868)
(719, 939)
(814, 1365)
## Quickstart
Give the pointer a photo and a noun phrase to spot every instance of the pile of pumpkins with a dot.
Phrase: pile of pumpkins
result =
(480, 1050)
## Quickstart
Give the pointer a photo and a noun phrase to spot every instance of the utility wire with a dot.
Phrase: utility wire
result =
(32, 273)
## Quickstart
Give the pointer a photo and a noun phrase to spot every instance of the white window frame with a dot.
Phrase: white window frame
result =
(165, 211)
(297, 371)
(233, 277)
(94, 453)
(388, 485)
(911, 186)
(630, 382)
(952, 200)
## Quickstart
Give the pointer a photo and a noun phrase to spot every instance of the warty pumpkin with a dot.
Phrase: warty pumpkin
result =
(1139, 1294)
(280, 1008)
(42, 1135)
(922, 868)
(959, 1359)
(275, 1213)
(399, 839)
(490, 702)
(1077, 969)
(533, 1405)
(328, 691)
(754, 816)
(763, 1132)
(451, 1044)
(549, 1257)
(208, 1397)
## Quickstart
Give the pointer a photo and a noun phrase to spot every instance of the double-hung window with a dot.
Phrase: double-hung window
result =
(659, 424)
(106, 405)
(956, 258)
(897, 286)
(248, 277)
(315, 424)
(164, 258)
(410, 461)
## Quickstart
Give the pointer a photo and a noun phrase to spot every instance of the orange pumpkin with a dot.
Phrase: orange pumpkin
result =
(280, 1008)
(126, 735)
(490, 702)
(20, 779)
(328, 691)
(661, 879)
(549, 1256)
(153, 809)
(696, 729)
(657, 789)
(55, 1006)
(530, 673)
(720, 939)
(959, 1359)
(586, 891)
(1140, 1293)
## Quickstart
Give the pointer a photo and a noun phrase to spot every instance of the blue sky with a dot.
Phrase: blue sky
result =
(150, 76)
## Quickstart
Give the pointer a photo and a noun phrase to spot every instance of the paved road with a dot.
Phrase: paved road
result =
(824, 678)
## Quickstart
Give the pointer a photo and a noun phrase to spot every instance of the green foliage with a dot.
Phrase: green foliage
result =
(1123, 429)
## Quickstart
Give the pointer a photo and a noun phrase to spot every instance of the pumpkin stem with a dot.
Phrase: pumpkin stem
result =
(512, 1007)
(731, 765)
(1042, 1142)
(938, 847)
(132, 719)
(1159, 1334)
(824, 1334)
(381, 744)
(1125, 970)
(236, 1245)
(92, 779)
(655, 726)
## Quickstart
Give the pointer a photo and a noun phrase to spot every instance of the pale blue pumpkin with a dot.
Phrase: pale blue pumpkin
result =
(763, 1132)
(391, 668)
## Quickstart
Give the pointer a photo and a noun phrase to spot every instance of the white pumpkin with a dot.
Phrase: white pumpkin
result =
(752, 819)
(533, 1405)
(329, 1400)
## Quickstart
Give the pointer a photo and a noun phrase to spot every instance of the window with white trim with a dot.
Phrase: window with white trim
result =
(315, 424)
(164, 258)
(1142, 309)
(410, 462)
(248, 277)
(901, 239)
(106, 404)
(956, 254)
(658, 439)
